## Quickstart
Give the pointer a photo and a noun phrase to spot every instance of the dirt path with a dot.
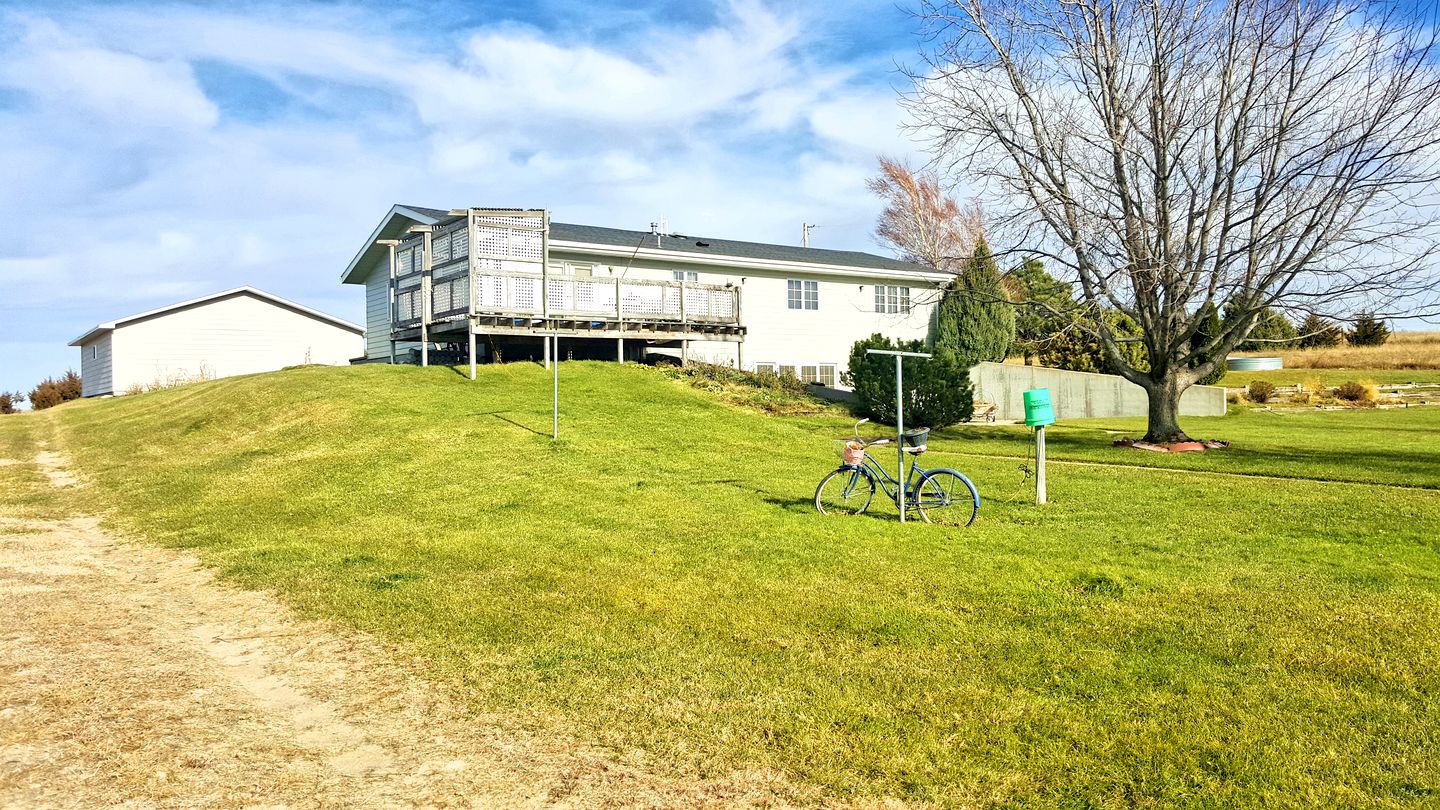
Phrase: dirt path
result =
(130, 678)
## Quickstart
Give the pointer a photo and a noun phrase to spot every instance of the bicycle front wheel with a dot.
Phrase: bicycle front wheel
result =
(846, 491)
(946, 497)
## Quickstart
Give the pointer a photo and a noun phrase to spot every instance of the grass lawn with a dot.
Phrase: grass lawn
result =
(658, 579)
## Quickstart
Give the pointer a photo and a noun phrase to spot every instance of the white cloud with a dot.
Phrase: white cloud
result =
(138, 189)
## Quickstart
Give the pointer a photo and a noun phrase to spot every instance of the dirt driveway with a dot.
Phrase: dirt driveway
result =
(130, 678)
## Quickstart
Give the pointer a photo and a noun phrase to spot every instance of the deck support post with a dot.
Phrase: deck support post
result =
(547, 352)
(472, 349)
(620, 350)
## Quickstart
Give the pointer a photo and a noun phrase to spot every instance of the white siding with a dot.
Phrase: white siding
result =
(792, 337)
(95, 373)
(239, 334)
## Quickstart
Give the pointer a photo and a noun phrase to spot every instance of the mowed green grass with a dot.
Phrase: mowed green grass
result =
(658, 580)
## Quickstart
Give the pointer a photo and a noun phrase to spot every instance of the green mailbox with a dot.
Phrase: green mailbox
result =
(1038, 410)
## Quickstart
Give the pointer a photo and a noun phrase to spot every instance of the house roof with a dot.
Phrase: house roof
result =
(194, 302)
(567, 236)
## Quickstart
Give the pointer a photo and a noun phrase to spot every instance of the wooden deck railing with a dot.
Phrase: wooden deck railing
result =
(501, 293)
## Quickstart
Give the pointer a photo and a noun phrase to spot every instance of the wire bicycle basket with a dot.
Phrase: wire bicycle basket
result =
(850, 451)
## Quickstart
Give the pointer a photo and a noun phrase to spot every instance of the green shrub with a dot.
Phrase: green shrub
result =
(1076, 350)
(937, 390)
(1260, 391)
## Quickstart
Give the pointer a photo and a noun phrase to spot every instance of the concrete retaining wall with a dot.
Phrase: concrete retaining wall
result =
(1079, 395)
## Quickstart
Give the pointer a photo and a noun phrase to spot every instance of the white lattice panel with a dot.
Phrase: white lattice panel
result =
(440, 249)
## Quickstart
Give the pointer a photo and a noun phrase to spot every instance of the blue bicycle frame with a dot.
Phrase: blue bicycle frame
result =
(881, 475)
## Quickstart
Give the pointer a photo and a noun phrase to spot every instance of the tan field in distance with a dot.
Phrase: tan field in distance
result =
(1404, 350)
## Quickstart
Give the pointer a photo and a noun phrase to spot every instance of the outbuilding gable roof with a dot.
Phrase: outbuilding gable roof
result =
(194, 302)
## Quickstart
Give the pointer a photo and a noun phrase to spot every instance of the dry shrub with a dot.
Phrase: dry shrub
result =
(1260, 391)
(1356, 392)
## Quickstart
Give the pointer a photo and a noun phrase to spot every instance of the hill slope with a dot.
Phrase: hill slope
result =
(658, 579)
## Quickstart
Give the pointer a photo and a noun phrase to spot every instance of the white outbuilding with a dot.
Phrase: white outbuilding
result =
(239, 331)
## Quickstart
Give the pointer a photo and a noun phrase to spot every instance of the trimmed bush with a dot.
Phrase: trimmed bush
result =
(937, 390)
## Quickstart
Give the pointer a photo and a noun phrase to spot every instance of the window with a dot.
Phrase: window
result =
(94, 351)
(764, 368)
(787, 370)
(891, 298)
(686, 275)
(802, 294)
(827, 375)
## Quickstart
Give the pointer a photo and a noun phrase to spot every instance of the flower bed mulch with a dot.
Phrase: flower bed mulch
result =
(1175, 447)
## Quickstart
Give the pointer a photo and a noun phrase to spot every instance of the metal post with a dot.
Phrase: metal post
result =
(1040, 465)
(547, 354)
(900, 500)
(900, 435)
(555, 392)
(620, 350)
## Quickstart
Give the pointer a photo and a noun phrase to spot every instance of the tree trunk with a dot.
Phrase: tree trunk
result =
(1164, 412)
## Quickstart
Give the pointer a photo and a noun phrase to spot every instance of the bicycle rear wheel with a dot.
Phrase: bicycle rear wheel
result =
(846, 491)
(946, 497)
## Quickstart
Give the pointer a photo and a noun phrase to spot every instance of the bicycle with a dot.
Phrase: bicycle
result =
(940, 495)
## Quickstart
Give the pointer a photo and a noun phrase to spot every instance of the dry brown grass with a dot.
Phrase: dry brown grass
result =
(1404, 351)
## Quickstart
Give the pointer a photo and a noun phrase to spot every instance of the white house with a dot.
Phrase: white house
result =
(473, 282)
(240, 331)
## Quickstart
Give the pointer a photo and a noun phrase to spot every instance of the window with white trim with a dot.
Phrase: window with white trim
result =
(890, 298)
(787, 370)
(685, 275)
(765, 368)
(802, 294)
(94, 351)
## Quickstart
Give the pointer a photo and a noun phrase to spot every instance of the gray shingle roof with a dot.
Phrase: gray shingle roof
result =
(596, 235)
(617, 237)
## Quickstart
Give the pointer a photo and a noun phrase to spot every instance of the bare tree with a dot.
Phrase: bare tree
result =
(920, 221)
(1174, 153)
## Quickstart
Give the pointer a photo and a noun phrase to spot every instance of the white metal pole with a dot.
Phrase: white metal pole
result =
(1040, 465)
(900, 434)
(472, 348)
(555, 392)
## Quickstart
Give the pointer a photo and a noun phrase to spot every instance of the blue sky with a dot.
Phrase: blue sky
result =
(156, 152)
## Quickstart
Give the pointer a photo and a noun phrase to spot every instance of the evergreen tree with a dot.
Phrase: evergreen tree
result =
(1270, 332)
(1038, 294)
(1078, 350)
(1368, 331)
(1318, 333)
(976, 320)
(1208, 329)
(9, 400)
(937, 390)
